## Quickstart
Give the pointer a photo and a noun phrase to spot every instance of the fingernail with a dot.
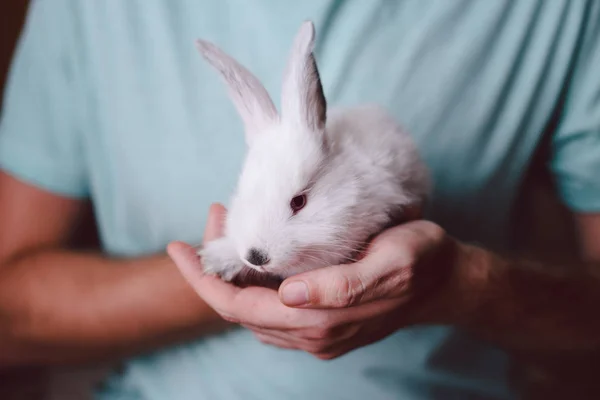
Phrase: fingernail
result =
(295, 293)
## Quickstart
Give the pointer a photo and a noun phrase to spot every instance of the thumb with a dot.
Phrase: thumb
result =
(386, 271)
(338, 286)
(215, 223)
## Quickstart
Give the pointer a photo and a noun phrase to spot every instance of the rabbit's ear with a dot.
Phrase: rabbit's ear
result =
(303, 101)
(249, 96)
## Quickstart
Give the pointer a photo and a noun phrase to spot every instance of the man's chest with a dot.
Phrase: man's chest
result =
(475, 87)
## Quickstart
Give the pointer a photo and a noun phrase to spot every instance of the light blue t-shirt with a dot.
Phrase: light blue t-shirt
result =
(109, 100)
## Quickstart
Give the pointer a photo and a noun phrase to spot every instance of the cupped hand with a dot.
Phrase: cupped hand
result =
(406, 277)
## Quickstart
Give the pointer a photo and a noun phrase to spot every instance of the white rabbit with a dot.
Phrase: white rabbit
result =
(315, 185)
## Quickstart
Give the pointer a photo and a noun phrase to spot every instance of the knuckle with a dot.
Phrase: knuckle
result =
(334, 333)
(325, 356)
(323, 333)
(344, 332)
(327, 328)
(349, 290)
(264, 339)
(400, 280)
(261, 337)
(433, 230)
(229, 318)
(428, 232)
(315, 334)
(322, 321)
(255, 325)
(404, 256)
(317, 348)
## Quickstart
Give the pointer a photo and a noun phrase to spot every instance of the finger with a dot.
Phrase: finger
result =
(339, 286)
(292, 342)
(364, 336)
(273, 341)
(314, 339)
(256, 306)
(215, 222)
(280, 335)
(261, 307)
(277, 332)
(265, 310)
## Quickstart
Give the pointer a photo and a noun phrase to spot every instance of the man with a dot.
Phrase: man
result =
(109, 101)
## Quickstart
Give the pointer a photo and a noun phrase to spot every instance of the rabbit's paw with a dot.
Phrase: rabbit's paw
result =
(219, 257)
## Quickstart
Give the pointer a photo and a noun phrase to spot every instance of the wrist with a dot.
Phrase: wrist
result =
(471, 276)
(462, 290)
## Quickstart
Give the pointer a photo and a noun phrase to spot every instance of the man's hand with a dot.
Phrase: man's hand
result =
(414, 274)
(402, 280)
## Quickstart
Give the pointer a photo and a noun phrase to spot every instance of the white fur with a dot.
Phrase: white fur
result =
(358, 170)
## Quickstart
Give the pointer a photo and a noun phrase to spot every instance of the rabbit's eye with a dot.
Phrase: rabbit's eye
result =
(298, 203)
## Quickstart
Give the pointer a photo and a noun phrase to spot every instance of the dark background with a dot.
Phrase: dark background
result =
(21, 384)
(12, 13)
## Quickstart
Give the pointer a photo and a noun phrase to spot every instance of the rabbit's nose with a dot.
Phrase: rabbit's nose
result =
(257, 257)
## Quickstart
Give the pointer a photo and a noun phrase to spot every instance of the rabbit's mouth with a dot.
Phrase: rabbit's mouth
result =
(250, 277)
(252, 266)
(302, 260)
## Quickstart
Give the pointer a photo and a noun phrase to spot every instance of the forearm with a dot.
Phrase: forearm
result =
(530, 307)
(62, 307)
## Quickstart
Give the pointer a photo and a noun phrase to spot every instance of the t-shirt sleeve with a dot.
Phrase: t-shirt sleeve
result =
(576, 145)
(40, 132)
